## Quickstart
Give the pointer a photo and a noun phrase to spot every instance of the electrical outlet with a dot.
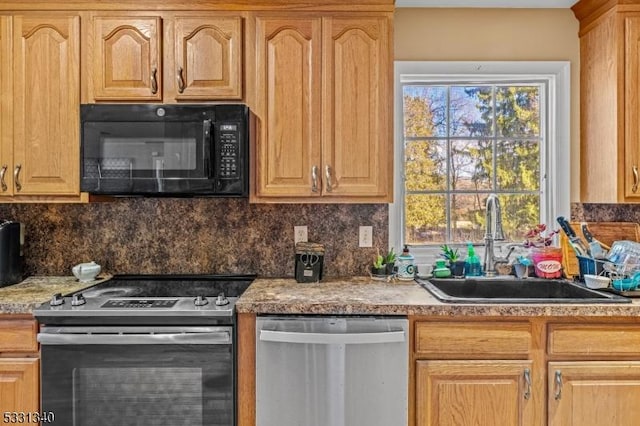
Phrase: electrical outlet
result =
(366, 236)
(299, 234)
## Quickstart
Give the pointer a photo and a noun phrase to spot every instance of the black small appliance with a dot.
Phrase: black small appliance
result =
(309, 262)
(11, 257)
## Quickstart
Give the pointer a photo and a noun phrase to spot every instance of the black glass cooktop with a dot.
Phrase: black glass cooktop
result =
(141, 286)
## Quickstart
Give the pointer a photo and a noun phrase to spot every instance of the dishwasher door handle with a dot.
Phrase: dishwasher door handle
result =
(332, 338)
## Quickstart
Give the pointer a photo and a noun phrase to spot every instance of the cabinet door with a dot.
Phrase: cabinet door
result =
(19, 385)
(288, 106)
(208, 62)
(357, 139)
(483, 393)
(6, 96)
(127, 58)
(594, 393)
(46, 51)
(632, 108)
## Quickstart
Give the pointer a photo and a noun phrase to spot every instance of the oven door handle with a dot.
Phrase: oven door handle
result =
(212, 338)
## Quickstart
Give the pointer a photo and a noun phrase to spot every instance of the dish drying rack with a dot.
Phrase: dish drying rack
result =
(605, 267)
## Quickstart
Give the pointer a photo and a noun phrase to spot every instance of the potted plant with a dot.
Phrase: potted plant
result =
(384, 265)
(452, 256)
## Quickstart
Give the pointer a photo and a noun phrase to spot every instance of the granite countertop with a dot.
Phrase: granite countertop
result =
(363, 296)
(23, 297)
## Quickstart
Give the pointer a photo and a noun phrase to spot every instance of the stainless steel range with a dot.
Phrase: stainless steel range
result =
(142, 350)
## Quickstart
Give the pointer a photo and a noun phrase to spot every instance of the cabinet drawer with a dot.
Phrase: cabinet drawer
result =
(472, 339)
(594, 340)
(18, 336)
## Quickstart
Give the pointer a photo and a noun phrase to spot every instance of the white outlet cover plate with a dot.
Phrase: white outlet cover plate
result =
(366, 236)
(300, 234)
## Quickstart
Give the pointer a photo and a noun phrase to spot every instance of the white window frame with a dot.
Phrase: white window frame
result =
(556, 161)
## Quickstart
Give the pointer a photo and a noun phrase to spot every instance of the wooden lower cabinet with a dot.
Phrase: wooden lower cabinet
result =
(594, 393)
(19, 366)
(462, 393)
(19, 385)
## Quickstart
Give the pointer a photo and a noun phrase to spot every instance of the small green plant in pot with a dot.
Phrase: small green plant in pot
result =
(383, 265)
(453, 258)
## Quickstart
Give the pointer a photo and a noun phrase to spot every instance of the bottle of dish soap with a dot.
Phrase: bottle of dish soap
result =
(406, 266)
(472, 266)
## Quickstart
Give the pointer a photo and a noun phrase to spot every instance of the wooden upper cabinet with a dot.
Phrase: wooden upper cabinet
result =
(166, 58)
(324, 109)
(127, 62)
(357, 148)
(632, 107)
(46, 100)
(207, 62)
(6, 108)
(609, 104)
(289, 103)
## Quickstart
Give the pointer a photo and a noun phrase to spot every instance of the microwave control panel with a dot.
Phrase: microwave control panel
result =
(228, 148)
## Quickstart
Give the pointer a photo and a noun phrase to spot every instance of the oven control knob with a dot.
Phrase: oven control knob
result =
(222, 300)
(200, 301)
(78, 300)
(57, 300)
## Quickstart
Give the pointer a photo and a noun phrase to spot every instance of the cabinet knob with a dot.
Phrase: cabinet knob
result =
(634, 188)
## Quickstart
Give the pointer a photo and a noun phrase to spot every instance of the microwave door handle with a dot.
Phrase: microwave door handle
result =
(207, 143)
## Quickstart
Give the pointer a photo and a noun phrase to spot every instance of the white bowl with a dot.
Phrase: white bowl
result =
(596, 281)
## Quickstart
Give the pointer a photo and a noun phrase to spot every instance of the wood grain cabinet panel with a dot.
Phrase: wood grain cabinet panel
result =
(609, 104)
(461, 393)
(46, 101)
(288, 76)
(594, 340)
(166, 58)
(486, 339)
(19, 385)
(6, 107)
(356, 115)
(207, 62)
(127, 61)
(594, 393)
(323, 88)
(18, 335)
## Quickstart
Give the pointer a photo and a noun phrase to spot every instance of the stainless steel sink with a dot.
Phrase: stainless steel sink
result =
(530, 290)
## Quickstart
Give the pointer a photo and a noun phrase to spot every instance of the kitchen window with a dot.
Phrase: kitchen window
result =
(465, 130)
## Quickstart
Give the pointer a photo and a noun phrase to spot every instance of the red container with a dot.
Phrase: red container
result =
(547, 262)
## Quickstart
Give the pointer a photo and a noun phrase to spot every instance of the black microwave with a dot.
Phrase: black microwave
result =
(165, 150)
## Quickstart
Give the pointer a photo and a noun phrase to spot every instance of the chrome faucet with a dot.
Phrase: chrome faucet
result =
(494, 232)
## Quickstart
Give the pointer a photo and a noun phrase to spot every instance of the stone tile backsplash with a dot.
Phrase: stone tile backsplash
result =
(589, 212)
(193, 235)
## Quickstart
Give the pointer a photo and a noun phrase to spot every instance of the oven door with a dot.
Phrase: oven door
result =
(151, 376)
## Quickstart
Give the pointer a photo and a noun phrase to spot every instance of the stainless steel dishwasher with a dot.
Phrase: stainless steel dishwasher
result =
(331, 371)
